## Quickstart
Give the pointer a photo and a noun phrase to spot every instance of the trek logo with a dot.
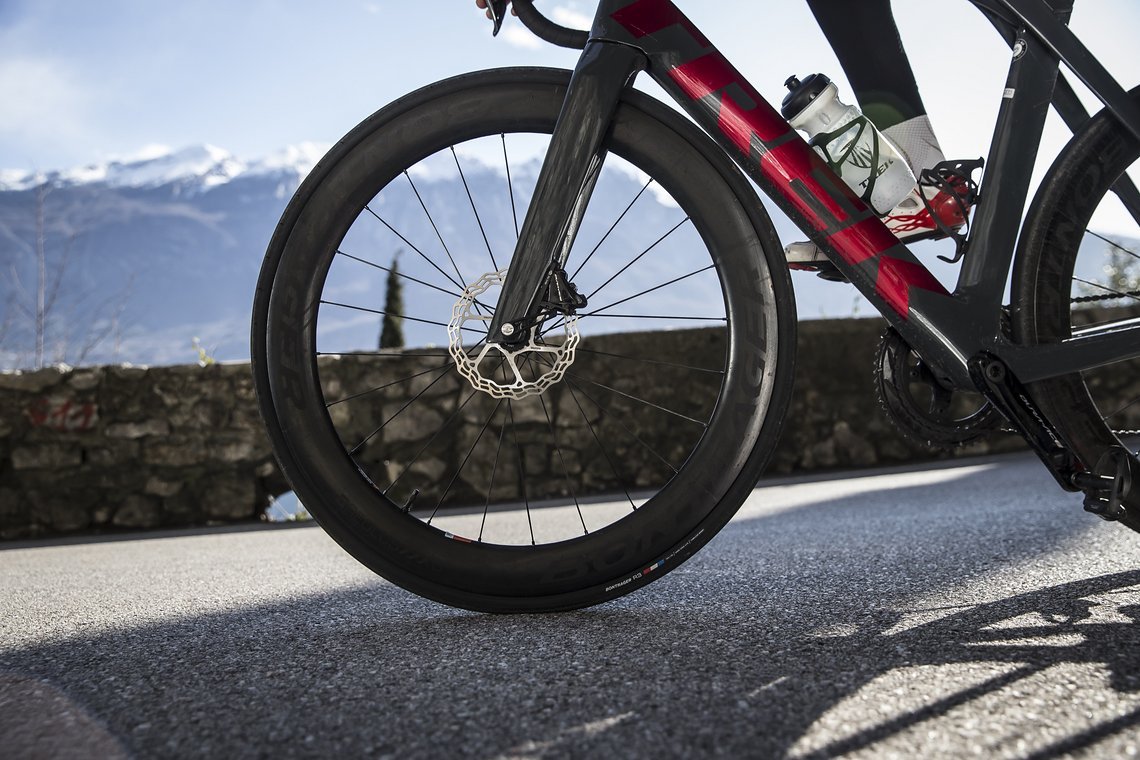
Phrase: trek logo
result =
(795, 172)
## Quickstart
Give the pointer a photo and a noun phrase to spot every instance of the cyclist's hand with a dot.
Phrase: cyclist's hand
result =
(483, 4)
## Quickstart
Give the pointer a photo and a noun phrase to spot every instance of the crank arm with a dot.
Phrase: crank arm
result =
(999, 385)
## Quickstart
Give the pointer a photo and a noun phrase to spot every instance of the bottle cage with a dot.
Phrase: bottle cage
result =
(861, 124)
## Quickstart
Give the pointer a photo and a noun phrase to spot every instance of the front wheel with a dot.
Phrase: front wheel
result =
(594, 460)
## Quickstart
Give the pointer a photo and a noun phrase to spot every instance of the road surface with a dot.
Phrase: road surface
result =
(965, 611)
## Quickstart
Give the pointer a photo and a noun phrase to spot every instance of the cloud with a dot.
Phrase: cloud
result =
(42, 100)
(145, 153)
(570, 18)
(520, 36)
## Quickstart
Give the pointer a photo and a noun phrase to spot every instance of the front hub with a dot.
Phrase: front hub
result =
(527, 366)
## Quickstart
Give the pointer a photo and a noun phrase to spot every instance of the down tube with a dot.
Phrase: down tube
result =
(722, 101)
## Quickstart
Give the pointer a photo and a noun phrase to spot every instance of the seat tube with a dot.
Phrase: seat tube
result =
(565, 182)
(1017, 134)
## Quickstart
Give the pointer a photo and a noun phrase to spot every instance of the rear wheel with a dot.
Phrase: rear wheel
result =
(588, 464)
(1079, 269)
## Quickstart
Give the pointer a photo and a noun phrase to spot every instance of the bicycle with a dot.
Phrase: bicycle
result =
(451, 472)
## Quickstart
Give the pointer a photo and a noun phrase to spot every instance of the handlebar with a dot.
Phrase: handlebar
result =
(547, 30)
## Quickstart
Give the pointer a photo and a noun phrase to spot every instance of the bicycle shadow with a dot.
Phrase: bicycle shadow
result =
(769, 643)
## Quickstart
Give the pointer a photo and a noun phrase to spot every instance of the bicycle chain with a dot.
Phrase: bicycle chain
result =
(1108, 297)
(1111, 297)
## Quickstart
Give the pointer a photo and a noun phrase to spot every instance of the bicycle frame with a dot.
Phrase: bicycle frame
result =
(959, 335)
(948, 330)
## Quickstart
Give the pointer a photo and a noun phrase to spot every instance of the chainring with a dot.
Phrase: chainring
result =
(922, 407)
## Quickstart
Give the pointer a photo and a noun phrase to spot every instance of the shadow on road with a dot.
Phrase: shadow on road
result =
(777, 640)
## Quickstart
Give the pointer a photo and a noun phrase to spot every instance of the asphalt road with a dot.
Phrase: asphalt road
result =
(970, 611)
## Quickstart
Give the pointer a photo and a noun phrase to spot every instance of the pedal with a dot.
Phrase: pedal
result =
(1108, 484)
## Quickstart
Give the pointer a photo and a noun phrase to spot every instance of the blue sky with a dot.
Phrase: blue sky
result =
(84, 82)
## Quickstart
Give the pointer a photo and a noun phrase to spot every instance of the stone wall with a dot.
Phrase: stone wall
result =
(108, 448)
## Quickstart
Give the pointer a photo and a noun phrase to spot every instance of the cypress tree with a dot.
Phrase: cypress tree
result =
(392, 328)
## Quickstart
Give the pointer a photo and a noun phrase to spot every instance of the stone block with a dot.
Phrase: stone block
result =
(230, 498)
(85, 380)
(138, 511)
(211, 414)
(31, 382)
(132, 430)
(119, 453)
(46, 456)
(157, 486)
(177, 453)
(266, 469)
(133, 372)
(67, 516)
(238, 451)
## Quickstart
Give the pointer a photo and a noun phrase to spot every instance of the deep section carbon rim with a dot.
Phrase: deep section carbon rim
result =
(657, 414)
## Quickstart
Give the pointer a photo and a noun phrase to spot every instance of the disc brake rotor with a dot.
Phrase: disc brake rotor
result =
(545, 362)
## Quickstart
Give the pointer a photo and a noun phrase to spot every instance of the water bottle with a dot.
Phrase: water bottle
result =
(849, 142)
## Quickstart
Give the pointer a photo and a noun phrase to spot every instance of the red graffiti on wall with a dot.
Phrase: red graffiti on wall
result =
(64, 415)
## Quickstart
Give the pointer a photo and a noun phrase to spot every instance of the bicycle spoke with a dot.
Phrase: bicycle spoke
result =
(637, 399)
(388, 385)
(355, 449)
(562, 459)
(649, 361)
(434, 227)
(510, 185)
(611, 229)
(463, 464)
(522, 470)
(613, 416)
(411, 245)
(445, 291)
(620, 424)
(651, 290)
(491, 486)
(1113, 243)
(474, 210)
(1127, 406)
(401, 316)
(601, 447)
(654, 316)
(637, 258)
(442, 427)
(381, 353)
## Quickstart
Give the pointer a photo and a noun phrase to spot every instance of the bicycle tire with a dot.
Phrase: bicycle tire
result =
(1052, 289)
(687, 510)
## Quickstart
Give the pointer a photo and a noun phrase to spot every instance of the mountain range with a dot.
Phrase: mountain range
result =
(148, 254)
(144, 257)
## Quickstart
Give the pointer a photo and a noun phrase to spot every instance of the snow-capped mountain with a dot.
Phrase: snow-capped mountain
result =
(145, 255)
(205, 165)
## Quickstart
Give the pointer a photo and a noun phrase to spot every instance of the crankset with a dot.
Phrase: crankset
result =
(1107, 485)
(922, 406)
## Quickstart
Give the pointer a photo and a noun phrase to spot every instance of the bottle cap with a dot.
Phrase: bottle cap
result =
(801, 94)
